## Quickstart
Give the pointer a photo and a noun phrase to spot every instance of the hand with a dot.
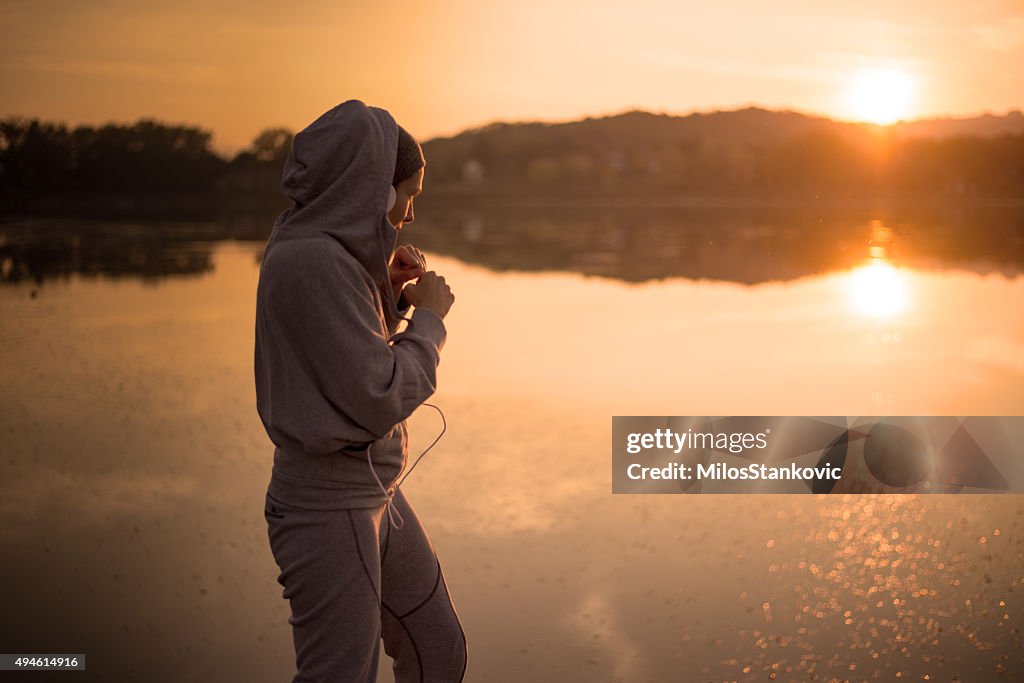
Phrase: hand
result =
(408, 264)
(431, 292)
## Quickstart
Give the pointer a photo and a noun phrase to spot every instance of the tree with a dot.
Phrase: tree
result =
(273, 144)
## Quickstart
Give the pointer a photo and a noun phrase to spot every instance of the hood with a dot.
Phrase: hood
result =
(338, 173)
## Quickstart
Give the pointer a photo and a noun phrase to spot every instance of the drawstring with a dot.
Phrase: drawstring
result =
(391, 508)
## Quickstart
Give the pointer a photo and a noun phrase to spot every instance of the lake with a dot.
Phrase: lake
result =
(135, 464)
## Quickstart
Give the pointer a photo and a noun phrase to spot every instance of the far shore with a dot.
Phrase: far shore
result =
(217, 206)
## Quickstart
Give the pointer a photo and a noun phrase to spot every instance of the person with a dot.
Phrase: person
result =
(335, 383)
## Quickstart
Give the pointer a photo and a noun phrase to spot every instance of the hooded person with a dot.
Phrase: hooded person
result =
(332, 378)
(334, 386)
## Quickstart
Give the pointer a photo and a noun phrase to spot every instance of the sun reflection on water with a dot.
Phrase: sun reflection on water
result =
(877, 288)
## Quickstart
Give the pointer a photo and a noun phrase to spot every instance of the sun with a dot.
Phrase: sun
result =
(881, 95)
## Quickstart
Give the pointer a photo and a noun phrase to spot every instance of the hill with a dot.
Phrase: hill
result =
(749, 151)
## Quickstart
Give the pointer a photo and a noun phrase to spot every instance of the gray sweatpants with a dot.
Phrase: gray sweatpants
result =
(352, 579)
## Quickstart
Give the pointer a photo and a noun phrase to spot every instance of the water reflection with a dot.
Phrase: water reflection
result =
(134, 466)
(745, 245)
(879, 289)
(42, 250)
(634, 244)
(39, 251)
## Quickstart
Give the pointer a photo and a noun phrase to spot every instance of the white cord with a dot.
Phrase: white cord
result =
(392, 510)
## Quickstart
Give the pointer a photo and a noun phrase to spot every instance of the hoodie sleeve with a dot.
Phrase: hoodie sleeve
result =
(358, 386)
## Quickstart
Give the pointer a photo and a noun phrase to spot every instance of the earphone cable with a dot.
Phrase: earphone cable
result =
(392, 510)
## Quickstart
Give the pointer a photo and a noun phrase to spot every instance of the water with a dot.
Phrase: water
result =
(134, 463)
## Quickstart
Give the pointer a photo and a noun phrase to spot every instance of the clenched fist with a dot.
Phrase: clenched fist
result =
(430, 291)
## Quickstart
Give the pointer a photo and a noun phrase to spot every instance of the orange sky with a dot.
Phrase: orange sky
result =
(237, 67)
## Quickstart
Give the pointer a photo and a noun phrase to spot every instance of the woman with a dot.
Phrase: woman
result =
(334, 386)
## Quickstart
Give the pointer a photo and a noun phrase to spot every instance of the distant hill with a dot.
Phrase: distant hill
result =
(987, 125)
(750, 123)
(750, 151)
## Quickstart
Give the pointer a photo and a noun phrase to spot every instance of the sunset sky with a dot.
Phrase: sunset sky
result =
(237, 67)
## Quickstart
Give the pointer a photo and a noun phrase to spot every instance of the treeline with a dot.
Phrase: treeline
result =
(749, 153)
(145, 157)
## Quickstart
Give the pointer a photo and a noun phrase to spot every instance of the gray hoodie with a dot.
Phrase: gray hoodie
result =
(332, 377)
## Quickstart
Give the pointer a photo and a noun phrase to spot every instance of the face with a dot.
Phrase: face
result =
(407, 190)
